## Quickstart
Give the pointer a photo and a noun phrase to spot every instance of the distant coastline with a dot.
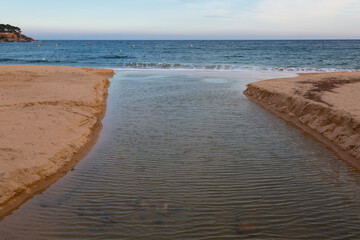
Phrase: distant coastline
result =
(15, 37)
(9, 33)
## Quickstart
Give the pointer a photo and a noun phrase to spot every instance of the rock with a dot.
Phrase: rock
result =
(159, 221)
(246, 228)
(14, 37)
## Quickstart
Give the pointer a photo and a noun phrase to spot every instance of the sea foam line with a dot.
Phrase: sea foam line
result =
(221, 67)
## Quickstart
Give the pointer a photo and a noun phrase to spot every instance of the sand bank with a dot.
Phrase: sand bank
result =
(49, 119)
(324, 105)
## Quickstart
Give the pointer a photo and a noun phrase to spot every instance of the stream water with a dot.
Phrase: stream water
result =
(184, 155)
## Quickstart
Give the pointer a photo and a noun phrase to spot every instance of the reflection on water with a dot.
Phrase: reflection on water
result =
(186, 156)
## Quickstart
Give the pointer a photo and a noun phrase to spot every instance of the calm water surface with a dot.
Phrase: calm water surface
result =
(184, 155)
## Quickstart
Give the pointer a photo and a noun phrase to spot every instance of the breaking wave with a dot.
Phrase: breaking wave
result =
(220, 67)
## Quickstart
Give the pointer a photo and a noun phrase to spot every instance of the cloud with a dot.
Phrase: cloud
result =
(308, 15)
(299, 10)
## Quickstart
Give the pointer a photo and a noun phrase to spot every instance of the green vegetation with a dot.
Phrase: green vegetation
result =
(9, 29)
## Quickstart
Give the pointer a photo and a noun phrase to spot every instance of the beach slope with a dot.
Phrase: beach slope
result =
(49, 118)
(324, 105)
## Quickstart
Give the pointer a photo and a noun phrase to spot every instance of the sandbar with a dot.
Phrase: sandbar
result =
(324, 105)
(50, 117)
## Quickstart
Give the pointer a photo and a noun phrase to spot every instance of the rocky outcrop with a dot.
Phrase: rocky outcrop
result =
(15, 37)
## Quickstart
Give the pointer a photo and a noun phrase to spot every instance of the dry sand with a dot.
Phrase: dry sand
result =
(49, 118)
(326, 106)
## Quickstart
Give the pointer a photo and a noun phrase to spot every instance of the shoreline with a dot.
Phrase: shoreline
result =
(27, 192)
(291, 106)
(315, 111)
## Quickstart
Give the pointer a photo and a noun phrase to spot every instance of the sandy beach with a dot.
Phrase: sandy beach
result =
(324, 105)
(49, 119)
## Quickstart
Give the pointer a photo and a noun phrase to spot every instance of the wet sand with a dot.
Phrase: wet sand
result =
(323, 105)
(49, 119)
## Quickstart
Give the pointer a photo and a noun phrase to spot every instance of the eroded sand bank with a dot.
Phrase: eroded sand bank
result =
(49, 118)
(325, 105)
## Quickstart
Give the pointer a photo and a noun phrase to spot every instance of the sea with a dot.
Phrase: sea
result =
(271, 55)
(183, 154)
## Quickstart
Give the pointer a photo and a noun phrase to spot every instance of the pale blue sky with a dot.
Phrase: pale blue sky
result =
(184, 19)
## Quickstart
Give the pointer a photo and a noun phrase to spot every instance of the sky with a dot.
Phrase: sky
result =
(184, 19)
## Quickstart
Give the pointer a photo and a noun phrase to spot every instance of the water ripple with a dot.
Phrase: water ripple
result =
(181, 157)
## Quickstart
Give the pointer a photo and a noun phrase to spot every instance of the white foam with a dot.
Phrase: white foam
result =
(221, 67)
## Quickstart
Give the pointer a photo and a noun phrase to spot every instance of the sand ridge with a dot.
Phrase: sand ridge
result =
(324, 105)
(48, 115)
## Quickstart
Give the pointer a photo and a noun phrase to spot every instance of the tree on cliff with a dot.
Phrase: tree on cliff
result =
(9, 29)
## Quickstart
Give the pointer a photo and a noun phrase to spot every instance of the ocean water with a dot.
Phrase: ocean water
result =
(183, 154)
(291, 56)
